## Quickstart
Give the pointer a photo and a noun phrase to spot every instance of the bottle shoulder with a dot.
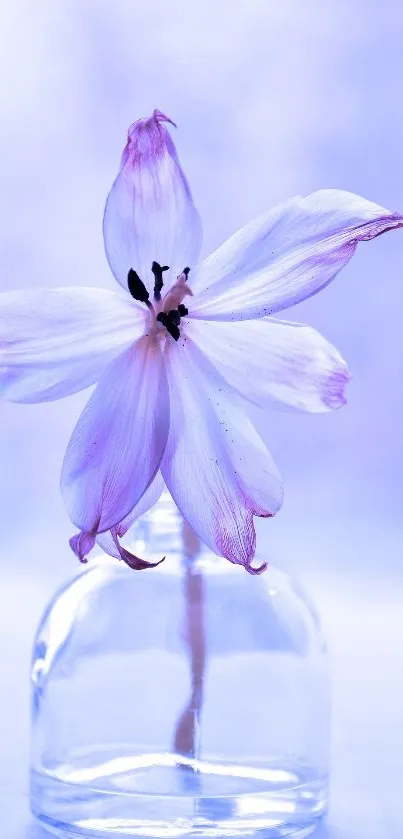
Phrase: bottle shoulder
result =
(109, 607)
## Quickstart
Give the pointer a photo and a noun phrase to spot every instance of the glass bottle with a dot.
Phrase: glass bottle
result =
(189, 699)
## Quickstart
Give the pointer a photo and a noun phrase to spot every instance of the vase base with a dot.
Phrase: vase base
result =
(167, 797)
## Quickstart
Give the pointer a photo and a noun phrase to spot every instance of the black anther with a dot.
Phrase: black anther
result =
(173, 330)
(170, 326)
(137, 288)
(174, 316)
(158, 271)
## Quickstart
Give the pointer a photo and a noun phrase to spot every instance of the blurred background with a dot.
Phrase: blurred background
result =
(271, 99)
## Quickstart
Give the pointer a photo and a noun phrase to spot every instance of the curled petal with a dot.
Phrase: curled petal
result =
(83, 542)
(215, 465)
(272, 362)
(147, 500)
(107, 540)
(117, 444)
(286, 255)
(54, 342)
(149, 214)
(133, 561)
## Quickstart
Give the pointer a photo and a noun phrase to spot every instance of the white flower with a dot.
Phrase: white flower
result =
(179, 353)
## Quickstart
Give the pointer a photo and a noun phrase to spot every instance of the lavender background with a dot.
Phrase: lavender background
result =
(271, 99)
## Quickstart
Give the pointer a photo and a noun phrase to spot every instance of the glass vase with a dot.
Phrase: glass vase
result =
(189, 699)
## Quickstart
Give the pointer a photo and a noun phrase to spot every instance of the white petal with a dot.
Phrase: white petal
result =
(286, 255)
(273, 362)
(116, 447)
(149, 214)
(54, 342)
(216, 467)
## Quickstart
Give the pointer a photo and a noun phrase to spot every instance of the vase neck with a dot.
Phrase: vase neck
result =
(162, 531)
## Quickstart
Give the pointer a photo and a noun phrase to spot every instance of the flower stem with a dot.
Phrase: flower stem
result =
(186, 737)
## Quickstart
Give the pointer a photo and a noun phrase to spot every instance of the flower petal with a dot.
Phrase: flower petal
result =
(117, 444)
(270, 361)
(83, 542)
(215, 465)
(286, 255)
(149, 213)
(54, 342)
(107, 540)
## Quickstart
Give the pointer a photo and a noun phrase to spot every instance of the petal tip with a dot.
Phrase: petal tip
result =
(333, 396)
(133, 561)
(136, 563)
(160, 117)
(81, 544)
(256, 571)
(147, 141)
(145, 134)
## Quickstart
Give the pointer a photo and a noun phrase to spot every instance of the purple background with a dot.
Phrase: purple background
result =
(271, 99)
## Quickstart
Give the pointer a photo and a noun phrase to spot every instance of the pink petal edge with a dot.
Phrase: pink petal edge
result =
(274, 363)
(286, 255)
(116, 447)
(149, 214)
(83, 542)
(218, 471)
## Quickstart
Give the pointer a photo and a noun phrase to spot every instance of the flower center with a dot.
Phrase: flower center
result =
(169, 309)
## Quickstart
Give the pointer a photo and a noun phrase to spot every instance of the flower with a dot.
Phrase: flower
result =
(182, 350)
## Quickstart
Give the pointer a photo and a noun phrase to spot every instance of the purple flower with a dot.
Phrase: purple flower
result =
(180, 353)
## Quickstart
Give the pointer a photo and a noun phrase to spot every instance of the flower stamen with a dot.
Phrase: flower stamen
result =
(171, 322)
(137, 288)
(158, 270)
(171, 309)
(177, 292)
